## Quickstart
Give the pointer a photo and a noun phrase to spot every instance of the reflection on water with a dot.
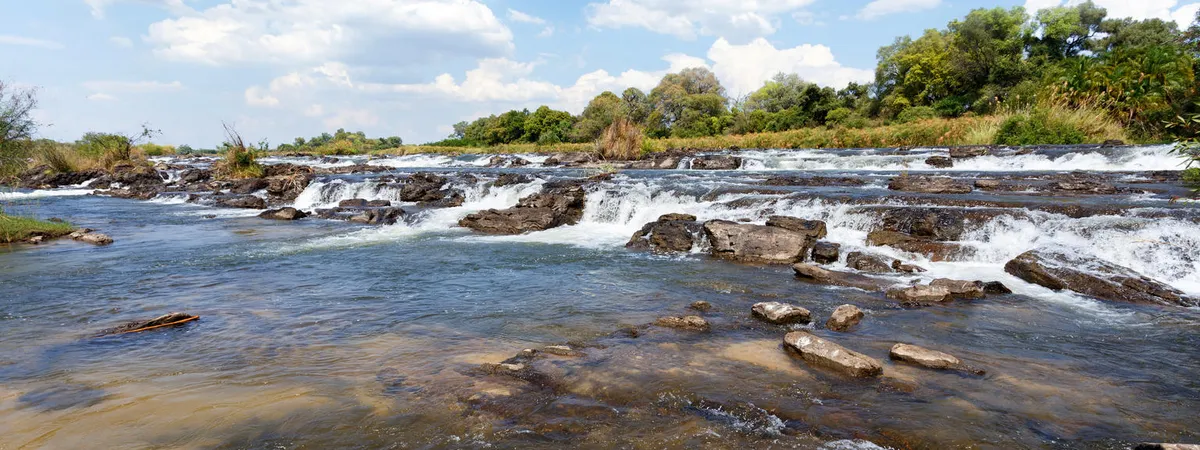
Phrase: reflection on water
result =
(319, 334)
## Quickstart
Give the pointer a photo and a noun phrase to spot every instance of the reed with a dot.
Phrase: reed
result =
(621, 141)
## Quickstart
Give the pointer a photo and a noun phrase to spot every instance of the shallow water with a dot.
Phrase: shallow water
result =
(322, 334)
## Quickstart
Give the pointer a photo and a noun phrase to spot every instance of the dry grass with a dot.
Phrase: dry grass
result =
(621, 141)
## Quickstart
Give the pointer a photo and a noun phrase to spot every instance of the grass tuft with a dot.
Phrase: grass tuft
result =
(239, 161)
(621, 141)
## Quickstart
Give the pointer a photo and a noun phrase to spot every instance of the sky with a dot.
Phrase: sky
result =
(278, 69)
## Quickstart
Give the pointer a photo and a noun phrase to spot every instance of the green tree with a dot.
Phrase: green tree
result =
(597, 116)
(636, 106)
(693, 96)
(989, 49)
(1065, 31)
(547, 126)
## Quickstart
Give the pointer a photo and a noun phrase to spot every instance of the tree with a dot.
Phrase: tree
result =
(547, 126)
(636, 106)
(916, 72)
(16, 115)
(1128, 33)
(1065, 31)
(693, 95)
(989, 48)
(598, 115)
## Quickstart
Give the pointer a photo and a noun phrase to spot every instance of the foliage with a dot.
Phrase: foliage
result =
(239, 160)
(20, 229)
(152, 149)
(341, 142)
(915, 113)
(17, 126)
(621, 141)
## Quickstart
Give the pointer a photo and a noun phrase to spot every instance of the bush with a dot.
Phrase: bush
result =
(949, 107)
(916, 113)
(239, 161)
(1037, 128)
(151, 149)
(621, 141)
(838, 115)
(1192, 176)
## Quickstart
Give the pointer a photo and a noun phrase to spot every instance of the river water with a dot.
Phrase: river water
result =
(326, 334)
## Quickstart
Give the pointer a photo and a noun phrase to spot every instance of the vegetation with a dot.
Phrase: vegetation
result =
(621, 141)
(340, 143)
(20, 229)
(239, 161)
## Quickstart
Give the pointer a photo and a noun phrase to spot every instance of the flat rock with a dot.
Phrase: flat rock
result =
(756, 243)
(781, 313)
(288, 213)
(240, 201)
(822, 353)
(716, 162)
(693, 323)
(94, 238)
(920, 295)
(940, 162)
(866, 262)
(813, 228)
(930, 185)
(553, 207)
(934, 250)
(844, 317)
(1062, 269)
(821, 275)
(930, 359)
(959, 288)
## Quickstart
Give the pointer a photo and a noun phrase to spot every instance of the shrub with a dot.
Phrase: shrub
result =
(151, 149)
(916, 113)
(838, 115)
(621, 141)
(239, 161)
(1191, 176)
(949, 107)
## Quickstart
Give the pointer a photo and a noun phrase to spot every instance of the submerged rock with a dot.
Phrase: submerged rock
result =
(929, 185)
(671, 233)
(824, 276)
(931, 359)
(920, 295)
(701, 306)
(1060, 269)
(240, 201)
(844, 317)
(693, 323)
(92, 238)
(781, 313)
(553, 207)
(959, 288)
(716, 162)
(756, 243)
(823, 353)
(826, 252)
(288, 213)
(865, 262)
(166, 320)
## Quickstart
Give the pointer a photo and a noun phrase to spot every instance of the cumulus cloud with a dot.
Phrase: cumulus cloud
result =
(880, 8)
(734, 19)
(6, 39)
(310, 31)
(742, 69)
(1170, 10)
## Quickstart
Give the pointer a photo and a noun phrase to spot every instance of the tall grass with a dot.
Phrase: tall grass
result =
(239, 161)
(621, 141)
(60, 158)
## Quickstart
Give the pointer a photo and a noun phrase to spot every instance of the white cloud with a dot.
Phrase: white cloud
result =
(136, 87)
(546, 32)
(121, 41)
(880, 8)
(310, 31)
(1170, 10)
(517, 16)
(30, 42)
(742, 69)
(101, 97)
(735, 19)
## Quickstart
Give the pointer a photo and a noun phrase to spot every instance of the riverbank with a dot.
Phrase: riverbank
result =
(22, 229)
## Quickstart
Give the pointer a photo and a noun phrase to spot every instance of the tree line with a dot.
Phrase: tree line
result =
(1141, 72)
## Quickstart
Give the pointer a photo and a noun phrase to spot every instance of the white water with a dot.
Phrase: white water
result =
(11, 196)
(1136, 159)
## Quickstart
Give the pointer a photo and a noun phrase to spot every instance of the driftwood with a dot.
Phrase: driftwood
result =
(168, 320)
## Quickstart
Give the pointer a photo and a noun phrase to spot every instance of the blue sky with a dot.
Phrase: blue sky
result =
(278, 69)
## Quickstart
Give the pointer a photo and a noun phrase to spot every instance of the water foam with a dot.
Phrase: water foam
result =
(1157, 157)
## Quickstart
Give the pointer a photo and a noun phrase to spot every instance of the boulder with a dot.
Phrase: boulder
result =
(929, 185)
(826, 252)
(940, 162)
(914, 296)
(701, 305)
(1083, 187)
(378, 216)
(1152, 446)
(553, 207)
(938, 224)
(900, 266)
(671, 233)
(781, 313)
(248, 186)
(571, 159)
(987, 184)
(788, 180)
(93, 238)
(286, 188)
(818, 274)
(353, 203)
(692, 323)
(192, 176)
(931, 359)
(510, 179)
(716, 162)
(1060, 268)
(287, 169)
(240, 201)
(815, 229)
(507, 161)
(995, 288)
(288, 213)
(756, 243)
(423, 187)
(662, 161)
(1110, 143)
(822, 353)
(867, 263)
(959, 288)
(844, 317)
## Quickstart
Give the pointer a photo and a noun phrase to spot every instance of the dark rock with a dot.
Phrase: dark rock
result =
(938, 224)
(378, 216)
(507, 161)
(970, 151)
(240, 201)
(353, 203)
(192, 176)
(1060, 269)
(929, 185)
(571, 159)
(288, 213)
(716, 162)
(935, 251)
(844, 317)
(1112, 143)
(423, 187)
(671, 233)
(940, 162)
(1083, 187)
(286, 169)
(995, 288)
(378, 204)
(822, 353)
(900, 266)
(867, 263)
(815, 229)
(756, 243)
(826, 252)
(286, 188)
(556, 206)
(248, 186)
(510, 179)
(813, 181)
(701, 306)
(662, 161)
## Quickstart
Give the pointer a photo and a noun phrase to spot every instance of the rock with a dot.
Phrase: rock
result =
(1167, 447)
(970, 151)
(960, 289)
(659, 162)
(572, 159)
(553, 207)
(900, 266)
(813, 181)
(701, 306)
(94, 238)
(37, 240)
(716, 162)
(172, 319)
(1059, 269)
(935, 251)
(378, 216)
(288, 213)
(507, 161)
(379, 204)
(781, 313)
(826, 252)
(80, 232)
(1113, 143)
(510, 179)
(820, 275)
(423, 187)
(562, 350)
(813, 228)
(867, 263)
(287, 169)
(938, 224)
(240, 201)
(693, 323)
(1083, 187)
(192, 176)
(929, 185)
(987, 184)
(940, 162)
(844, 317)
(248, 186)
(756, 243)
(286, 188)
(822, 353)
(931, 359)
(920, 295)
(995, 288)
(353, 203)
(671, 233)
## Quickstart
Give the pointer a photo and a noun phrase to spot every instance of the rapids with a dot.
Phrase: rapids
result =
(320, 333)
